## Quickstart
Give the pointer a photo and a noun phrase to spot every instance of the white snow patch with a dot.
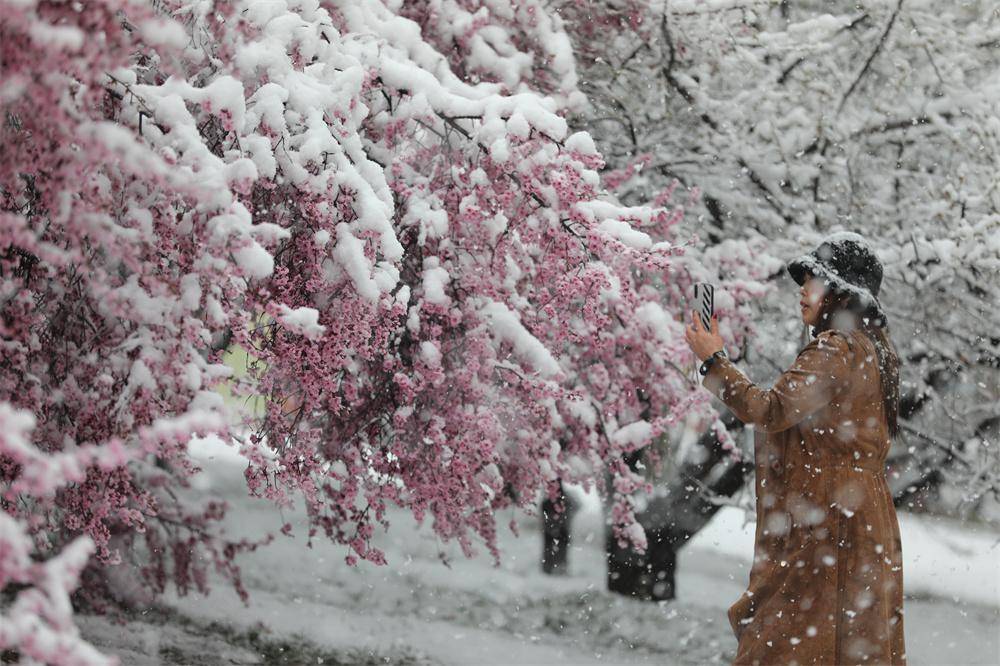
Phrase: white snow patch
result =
(506, 326)
(302, 320)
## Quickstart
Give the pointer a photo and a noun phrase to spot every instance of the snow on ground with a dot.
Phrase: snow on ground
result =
(307, 606)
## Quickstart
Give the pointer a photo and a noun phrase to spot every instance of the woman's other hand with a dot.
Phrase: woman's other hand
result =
(703, 343)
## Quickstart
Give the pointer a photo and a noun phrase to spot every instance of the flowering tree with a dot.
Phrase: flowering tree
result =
(505, 336)
(445, 310)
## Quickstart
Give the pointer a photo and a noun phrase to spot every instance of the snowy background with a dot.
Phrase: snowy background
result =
(308, 607)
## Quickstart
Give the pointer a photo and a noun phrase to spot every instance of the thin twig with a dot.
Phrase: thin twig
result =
(871, 58)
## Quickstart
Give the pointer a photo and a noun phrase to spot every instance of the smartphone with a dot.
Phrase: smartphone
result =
(704, 302)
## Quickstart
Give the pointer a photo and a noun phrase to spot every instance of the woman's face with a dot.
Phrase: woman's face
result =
(811, 297)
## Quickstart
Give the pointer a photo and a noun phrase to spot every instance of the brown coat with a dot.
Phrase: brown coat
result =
(826, 584)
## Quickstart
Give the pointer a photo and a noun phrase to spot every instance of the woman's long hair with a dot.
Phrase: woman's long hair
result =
(866, 318)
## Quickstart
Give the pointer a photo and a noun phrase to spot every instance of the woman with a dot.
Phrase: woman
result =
(826, 584)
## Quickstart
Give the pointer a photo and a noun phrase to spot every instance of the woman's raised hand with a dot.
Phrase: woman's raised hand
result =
(703, 343)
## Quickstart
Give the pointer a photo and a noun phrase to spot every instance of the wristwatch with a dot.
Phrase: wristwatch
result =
(710, 360)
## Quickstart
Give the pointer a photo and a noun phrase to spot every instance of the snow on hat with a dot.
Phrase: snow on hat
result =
(846, 261)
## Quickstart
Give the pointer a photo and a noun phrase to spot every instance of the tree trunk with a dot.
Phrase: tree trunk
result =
(556, 518)
(673, 518)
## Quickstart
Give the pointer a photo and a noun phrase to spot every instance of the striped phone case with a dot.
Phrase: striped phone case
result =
(704, 301)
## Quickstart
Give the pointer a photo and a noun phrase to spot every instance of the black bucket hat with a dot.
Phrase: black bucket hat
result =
(848, 263)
